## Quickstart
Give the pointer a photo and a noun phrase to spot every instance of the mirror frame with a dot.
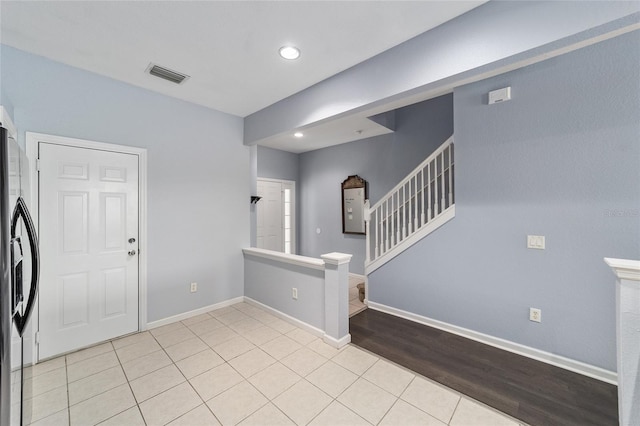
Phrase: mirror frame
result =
(354, 182)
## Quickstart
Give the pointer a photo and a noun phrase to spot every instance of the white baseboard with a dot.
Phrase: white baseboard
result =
(195, 312)
(291, 320)
(546, 357)
(337, 343)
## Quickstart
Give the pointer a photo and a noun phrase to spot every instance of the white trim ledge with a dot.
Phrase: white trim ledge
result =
(546, 357)
(293, 259)
(624, 269)
(193, 313)
(336, 258)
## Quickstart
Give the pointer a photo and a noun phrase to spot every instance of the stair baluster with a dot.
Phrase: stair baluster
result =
(415, 207)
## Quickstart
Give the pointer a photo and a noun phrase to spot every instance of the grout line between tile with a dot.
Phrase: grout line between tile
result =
(66, 371)
(453, 413)
(389, 409)
(128, 383)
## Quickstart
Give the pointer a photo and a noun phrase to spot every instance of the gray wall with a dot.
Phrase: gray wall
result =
(270, 282)
(198, 181)
(560, 160)
(383, 161)
(277, 164)
(4, 98)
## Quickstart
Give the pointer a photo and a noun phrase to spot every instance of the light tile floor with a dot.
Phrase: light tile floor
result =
(239, 365)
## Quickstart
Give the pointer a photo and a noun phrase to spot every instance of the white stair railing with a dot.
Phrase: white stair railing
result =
(419, 204)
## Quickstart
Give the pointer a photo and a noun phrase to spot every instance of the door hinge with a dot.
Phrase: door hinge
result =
(38, 164)
(37, 337)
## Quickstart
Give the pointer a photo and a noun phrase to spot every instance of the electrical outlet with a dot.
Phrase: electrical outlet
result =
(535, 315)
(294, 293)
(194, 287)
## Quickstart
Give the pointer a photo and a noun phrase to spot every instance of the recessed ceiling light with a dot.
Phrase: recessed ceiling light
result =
(289, 52)
(298, 134)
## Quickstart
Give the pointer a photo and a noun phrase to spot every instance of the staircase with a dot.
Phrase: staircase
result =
(417, 206)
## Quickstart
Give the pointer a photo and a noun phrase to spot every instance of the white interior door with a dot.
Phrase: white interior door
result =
(270, 219)
(275, 212)
(88, 226)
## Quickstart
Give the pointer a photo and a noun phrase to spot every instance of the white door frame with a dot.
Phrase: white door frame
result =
(32, 142)
(294, 233)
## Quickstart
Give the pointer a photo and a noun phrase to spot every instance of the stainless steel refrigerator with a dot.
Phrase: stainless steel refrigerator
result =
(19, 263)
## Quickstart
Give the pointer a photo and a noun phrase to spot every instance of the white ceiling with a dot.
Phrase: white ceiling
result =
(229, 48)
(334, 132)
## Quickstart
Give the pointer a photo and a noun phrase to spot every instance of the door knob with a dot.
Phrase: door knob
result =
(132, 240)
(132, 253)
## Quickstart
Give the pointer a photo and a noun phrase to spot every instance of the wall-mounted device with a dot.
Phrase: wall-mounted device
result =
(500, 95)
(255, 199)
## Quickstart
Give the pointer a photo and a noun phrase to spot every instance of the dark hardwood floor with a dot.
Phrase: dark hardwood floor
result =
(529, 390)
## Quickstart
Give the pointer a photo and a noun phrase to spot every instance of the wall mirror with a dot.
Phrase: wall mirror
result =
(354, 194)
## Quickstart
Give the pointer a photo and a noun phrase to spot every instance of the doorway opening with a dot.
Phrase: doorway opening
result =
(276, 215)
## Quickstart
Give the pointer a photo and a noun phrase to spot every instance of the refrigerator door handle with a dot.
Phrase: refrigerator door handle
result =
(22, 211)
(16, 276)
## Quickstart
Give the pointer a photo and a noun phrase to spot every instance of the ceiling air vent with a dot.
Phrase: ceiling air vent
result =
(167, 74)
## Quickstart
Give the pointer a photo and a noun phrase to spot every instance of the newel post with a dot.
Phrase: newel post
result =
(628, 338)
(336, 299)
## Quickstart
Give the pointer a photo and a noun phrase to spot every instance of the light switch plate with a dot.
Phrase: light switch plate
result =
(536, 242)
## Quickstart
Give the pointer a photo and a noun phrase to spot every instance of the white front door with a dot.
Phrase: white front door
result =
(88, 231)
(269, 229)
(276, 215)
